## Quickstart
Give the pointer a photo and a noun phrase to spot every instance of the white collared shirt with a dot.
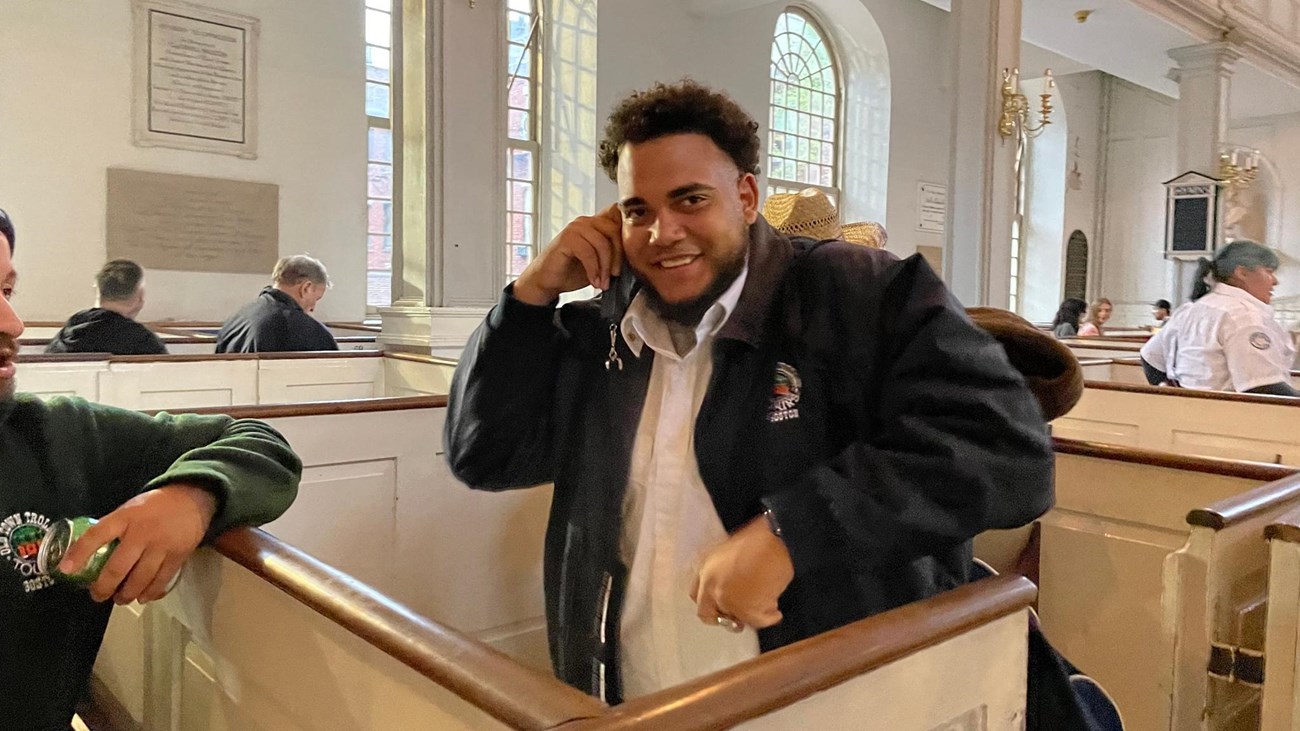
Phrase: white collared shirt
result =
(1225, 341)
(668, 517)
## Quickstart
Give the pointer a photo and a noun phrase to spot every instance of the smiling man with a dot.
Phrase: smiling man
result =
(753, 438)
(160, 485)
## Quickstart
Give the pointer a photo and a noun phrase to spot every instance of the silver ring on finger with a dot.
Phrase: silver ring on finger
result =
(728, 624)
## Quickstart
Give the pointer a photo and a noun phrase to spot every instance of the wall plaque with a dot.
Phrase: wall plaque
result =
(195, 78)
(188, 223)
(931, 208)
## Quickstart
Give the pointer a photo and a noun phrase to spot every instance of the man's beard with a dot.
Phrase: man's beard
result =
(691, 311)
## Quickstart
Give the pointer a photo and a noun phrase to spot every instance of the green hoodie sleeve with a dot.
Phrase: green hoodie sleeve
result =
(248, 466)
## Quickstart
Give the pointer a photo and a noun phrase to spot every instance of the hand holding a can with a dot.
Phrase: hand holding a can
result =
(157, 531)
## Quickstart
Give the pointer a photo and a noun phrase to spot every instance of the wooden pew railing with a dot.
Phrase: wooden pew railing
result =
(513, 694)
(861, 675)
(190, 380)
(774, 687)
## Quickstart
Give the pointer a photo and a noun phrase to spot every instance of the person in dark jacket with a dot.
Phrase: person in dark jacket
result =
(110, 326)
(280, 318)
(748, 432)
(161, 485)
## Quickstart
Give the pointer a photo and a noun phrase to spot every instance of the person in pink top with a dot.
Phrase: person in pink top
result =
(1098, 314)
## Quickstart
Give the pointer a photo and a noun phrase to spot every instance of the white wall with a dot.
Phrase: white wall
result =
(643, 42)
(1043, 238)
(1139, 156)
(66, 82)
(1081, 95)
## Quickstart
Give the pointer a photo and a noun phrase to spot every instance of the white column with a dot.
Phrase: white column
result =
(1204, 76)
(449, 200)
(985, 38)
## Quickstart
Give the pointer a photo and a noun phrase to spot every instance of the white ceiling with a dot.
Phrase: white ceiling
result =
(1125, 41)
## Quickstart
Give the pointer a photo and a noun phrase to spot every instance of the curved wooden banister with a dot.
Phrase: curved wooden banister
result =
(1237, 508)
(317, 408)
(1102, 344)
(1094, 361)
(513, 694)
(1286, 528)
(1247, 398)
(1262, 471)
(420, 358)
(783, 677)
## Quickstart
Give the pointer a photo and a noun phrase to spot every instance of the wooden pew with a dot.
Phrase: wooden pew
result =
(1216, 592)
(1102, 347)
(1120, 512)
(258, 635)
(1281, 702)
(190, 381)
(1186, 421)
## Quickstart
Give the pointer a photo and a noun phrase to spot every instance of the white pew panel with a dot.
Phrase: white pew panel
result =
(310, 379)
(71, 378)
(1182, 421)
(377, 501)
(179, 385)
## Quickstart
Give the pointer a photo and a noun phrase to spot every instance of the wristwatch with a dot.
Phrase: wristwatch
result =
(770, 517)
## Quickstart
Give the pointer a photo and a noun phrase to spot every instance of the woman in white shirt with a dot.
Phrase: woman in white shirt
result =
(1226, 339)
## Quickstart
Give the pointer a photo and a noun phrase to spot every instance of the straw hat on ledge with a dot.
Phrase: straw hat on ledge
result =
(811, 213)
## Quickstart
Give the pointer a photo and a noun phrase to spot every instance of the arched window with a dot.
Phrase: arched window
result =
(804, 114)
(523, 132)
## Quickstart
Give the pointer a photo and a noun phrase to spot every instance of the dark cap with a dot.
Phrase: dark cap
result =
(1162, 305)
(7, 228)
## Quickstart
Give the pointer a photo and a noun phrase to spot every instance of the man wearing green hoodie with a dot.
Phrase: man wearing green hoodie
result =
(159, 485)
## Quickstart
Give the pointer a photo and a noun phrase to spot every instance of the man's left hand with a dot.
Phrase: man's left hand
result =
(743, 578)
(158, 529)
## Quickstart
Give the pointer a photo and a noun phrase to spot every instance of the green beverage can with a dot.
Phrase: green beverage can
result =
(61, 536)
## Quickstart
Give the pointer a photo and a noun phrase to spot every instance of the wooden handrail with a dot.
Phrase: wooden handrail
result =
(1262, 471)
(1286, 528)
(199, 357)
(317, 408)
(1094, 361)
(489, 680)
(788, 675)
(1102, 344)
(1237, 508)
(1246, 398)
(420, 358)
(1136, 361)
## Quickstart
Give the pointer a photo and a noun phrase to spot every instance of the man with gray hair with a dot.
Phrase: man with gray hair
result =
(110, 326)
(280, 318)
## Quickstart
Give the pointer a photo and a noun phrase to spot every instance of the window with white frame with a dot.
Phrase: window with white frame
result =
(1018, 223)
(804, 111)
(523, 141)
(380, 27)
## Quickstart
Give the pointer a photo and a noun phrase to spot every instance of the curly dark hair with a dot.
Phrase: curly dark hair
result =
(682, 108)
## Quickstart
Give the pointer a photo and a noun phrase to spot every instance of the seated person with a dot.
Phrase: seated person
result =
(1066, 322)
(1160, 310)
(1226, 339)
(1094, 324)
(160, 485)
(279, 319)
(110, 326)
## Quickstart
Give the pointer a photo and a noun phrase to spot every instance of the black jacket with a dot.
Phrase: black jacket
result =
(103, 331)
(273, 323)
(910, 433)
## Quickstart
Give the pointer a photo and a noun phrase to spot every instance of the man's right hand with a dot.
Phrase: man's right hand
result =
(587, 252)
